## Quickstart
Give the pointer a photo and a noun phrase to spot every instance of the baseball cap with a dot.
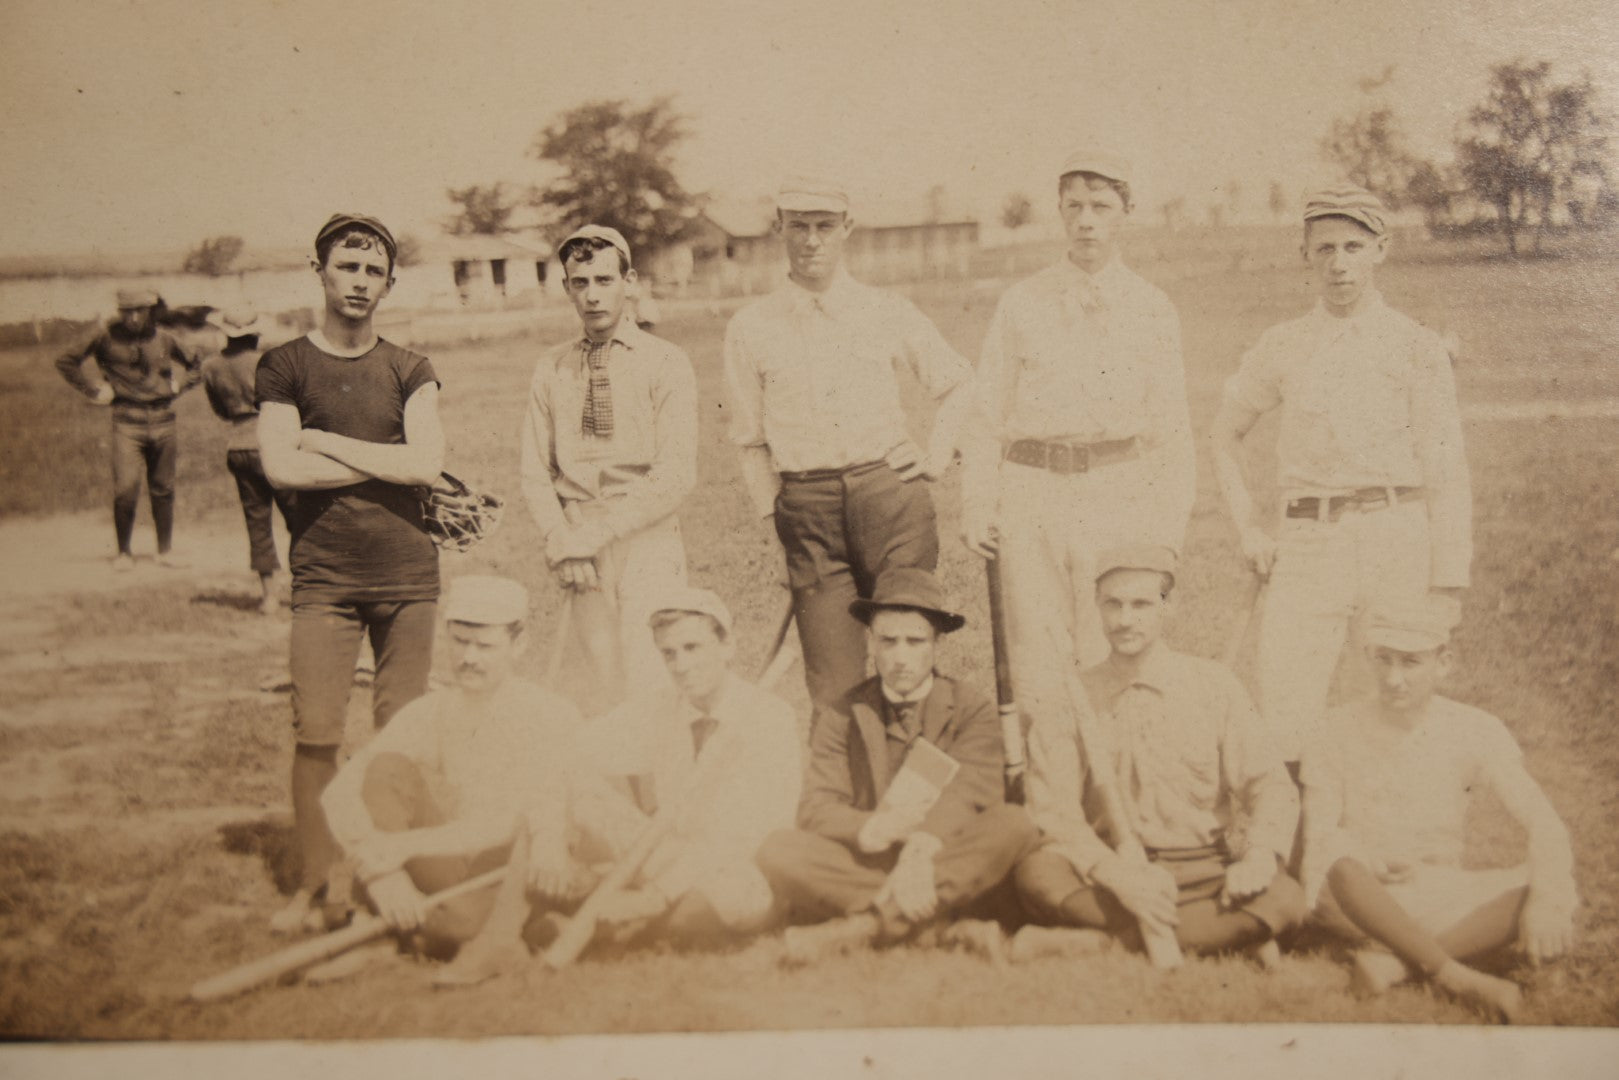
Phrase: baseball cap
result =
(339, 222)
(1413, 625)
(693, 601)
(1098, 160)
(237, 322)
(137, 298)
(806, 193)
(1154, 557)
(600, 232)
(486, 600)
(1350, 201)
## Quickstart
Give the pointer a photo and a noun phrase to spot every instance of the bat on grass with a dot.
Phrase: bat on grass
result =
(1163, 950)
(293, 958)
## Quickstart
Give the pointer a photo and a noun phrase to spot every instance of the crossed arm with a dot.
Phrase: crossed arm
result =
(300, 459)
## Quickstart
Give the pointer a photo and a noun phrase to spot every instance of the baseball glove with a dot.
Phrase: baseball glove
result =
(456, 516)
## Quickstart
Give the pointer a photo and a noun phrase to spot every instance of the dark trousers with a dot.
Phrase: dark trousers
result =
(257, 495)
(1054, 895)
(820, 878)
(325, 646)
(840, 530)
(144, 442)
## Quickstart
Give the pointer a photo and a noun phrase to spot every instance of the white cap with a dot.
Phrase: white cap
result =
(485, 600)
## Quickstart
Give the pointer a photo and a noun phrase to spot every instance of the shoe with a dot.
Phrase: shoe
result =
(352, 962)
(1034, 942)
(297, 913)
(278, 682)
(804, 944)
(1374, 971)
(123, 562)
(981, 937)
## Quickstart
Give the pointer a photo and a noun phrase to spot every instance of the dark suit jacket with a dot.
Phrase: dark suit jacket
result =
(849, 759)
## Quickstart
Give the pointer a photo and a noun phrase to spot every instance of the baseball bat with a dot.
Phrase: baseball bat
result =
(364, 928)
(1005, 697)
(1163, 950)
(1239, 633)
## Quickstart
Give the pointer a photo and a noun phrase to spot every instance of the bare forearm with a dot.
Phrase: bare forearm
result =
(400, 463)
(299, 470)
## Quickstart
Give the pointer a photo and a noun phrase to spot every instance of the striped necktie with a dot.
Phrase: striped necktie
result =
(598, 418)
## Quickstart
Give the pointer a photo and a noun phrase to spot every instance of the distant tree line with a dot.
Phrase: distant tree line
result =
(1532, 151)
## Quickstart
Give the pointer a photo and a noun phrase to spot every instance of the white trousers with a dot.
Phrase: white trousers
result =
(1327, 575)
(1052, 527)
(610, 623)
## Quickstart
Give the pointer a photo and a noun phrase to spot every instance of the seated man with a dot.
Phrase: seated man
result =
(433, 798)
(889, 865)
(714, 757)
(1386, 792)
(1196, 779)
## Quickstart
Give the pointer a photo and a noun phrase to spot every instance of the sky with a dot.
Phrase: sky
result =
(140, 126)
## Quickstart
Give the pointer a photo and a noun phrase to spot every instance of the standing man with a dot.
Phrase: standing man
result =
(1199, 782)
(1376, 502)
(883, 866)
(1387, 790)
(228, 379)
(715, 756)
(443, 792)
(815, 412)
(140, 369)
(609, 450)
(350, 422)
(1079, 439)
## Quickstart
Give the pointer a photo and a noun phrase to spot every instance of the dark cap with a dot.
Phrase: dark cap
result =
(909, 588)
(338, 222)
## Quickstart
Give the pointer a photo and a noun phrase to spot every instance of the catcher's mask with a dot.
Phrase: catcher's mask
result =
(457, 517)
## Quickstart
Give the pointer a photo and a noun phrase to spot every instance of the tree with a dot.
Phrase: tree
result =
(213, 256)
(1370, 149)
(1529, 142)
(1277, 200)
(616, 167)
(1433, 190)
(410, 250)
(485, 210)
(1017, 211)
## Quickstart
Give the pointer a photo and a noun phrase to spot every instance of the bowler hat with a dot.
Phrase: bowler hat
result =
(909, 588)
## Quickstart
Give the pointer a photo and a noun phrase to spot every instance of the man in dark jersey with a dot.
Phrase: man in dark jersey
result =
(351, 423)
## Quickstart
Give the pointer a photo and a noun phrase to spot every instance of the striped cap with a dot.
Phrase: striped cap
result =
(812, 193)
(1350, 201)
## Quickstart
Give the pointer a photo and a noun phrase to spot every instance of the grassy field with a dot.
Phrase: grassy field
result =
(143, 827)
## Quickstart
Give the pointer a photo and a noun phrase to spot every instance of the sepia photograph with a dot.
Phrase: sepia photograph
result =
(815, 538)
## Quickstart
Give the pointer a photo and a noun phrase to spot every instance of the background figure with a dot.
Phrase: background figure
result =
(825, 452)
(1079, 439)
(228, 379)
(351, 423)
(609, 450)
(1376, 499)
(140, 368)
(1387, 789)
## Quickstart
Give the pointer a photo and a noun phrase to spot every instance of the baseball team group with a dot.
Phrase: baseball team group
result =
(1121, 795)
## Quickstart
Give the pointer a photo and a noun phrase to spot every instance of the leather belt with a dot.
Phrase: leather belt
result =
(1332, 507)
(1069, 458)
(811, 475)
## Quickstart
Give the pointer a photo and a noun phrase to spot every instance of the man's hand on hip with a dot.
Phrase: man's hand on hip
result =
(911, 463)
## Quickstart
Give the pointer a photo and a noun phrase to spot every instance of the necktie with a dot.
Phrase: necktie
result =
(906, 713)
(701, 729)
(598, 418)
